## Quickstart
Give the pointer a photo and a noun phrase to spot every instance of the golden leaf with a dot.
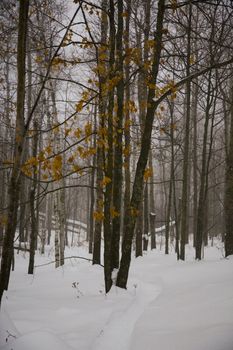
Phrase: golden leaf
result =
(98, 215)
(79, 106)
(148, 173)
(106, 180)
(78, 133)
(114, 213)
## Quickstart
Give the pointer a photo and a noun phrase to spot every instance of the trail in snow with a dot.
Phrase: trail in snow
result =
(116, 333)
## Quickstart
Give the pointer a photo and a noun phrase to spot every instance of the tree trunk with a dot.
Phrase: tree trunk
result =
(168, 217)
(143, 157)
(14, 187)
(203, 190)
(152, 205)
(92, 194)
(127, 118)
(228, 205)
(195, 172)
(145, 219)
(108, 247)
(118, 160)
(139, 231)
(34, 227)
(184, 200)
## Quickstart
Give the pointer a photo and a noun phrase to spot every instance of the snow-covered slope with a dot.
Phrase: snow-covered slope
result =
(168, 305)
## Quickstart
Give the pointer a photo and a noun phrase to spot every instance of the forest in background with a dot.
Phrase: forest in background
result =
(117, 117)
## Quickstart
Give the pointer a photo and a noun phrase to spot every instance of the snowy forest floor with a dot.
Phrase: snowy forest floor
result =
(169, 305)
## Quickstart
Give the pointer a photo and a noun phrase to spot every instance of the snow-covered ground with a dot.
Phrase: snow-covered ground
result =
(168, 305)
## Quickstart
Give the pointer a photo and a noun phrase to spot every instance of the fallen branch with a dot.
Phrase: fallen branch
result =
(68, 257)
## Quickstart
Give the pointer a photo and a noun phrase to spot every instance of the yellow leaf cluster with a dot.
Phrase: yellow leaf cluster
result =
(128, 123)
(57, 62)
(68, 38)
(173, 126)
(38, 59)
(133, 54)
(67, 131)
(169, 86)
(48, 149)
(102, 143)
(103, 56)
(86, 152)
(114, 213)
(126, 151)
(192, 59)
(79, 106)
(100, 69)
(85, 95)
(78, 133)
(148, 173)
(150, 43)
(76, 168)
(27, 167)
(46, 165)
(56, 167)
(3, 220)
(71, 159)
(98, 215)
(174, 4)
(26, 170)
(88, 129)
(130, 106)
(106, 180)
(86, 44)
(134, 211)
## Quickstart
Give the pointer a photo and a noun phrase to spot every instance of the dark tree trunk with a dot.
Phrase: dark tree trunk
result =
(34, 226)
(152, 214)
(139, 231)
(118, 160)
(143, 157)
(203, 190)
(195, 172)
(127, 190)
(167, 224)
(98, 208)
(184, 199)
(100, 152)
(145, 219)
(92, 193)
(108, 254)
(228, 205)
(14, 187)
